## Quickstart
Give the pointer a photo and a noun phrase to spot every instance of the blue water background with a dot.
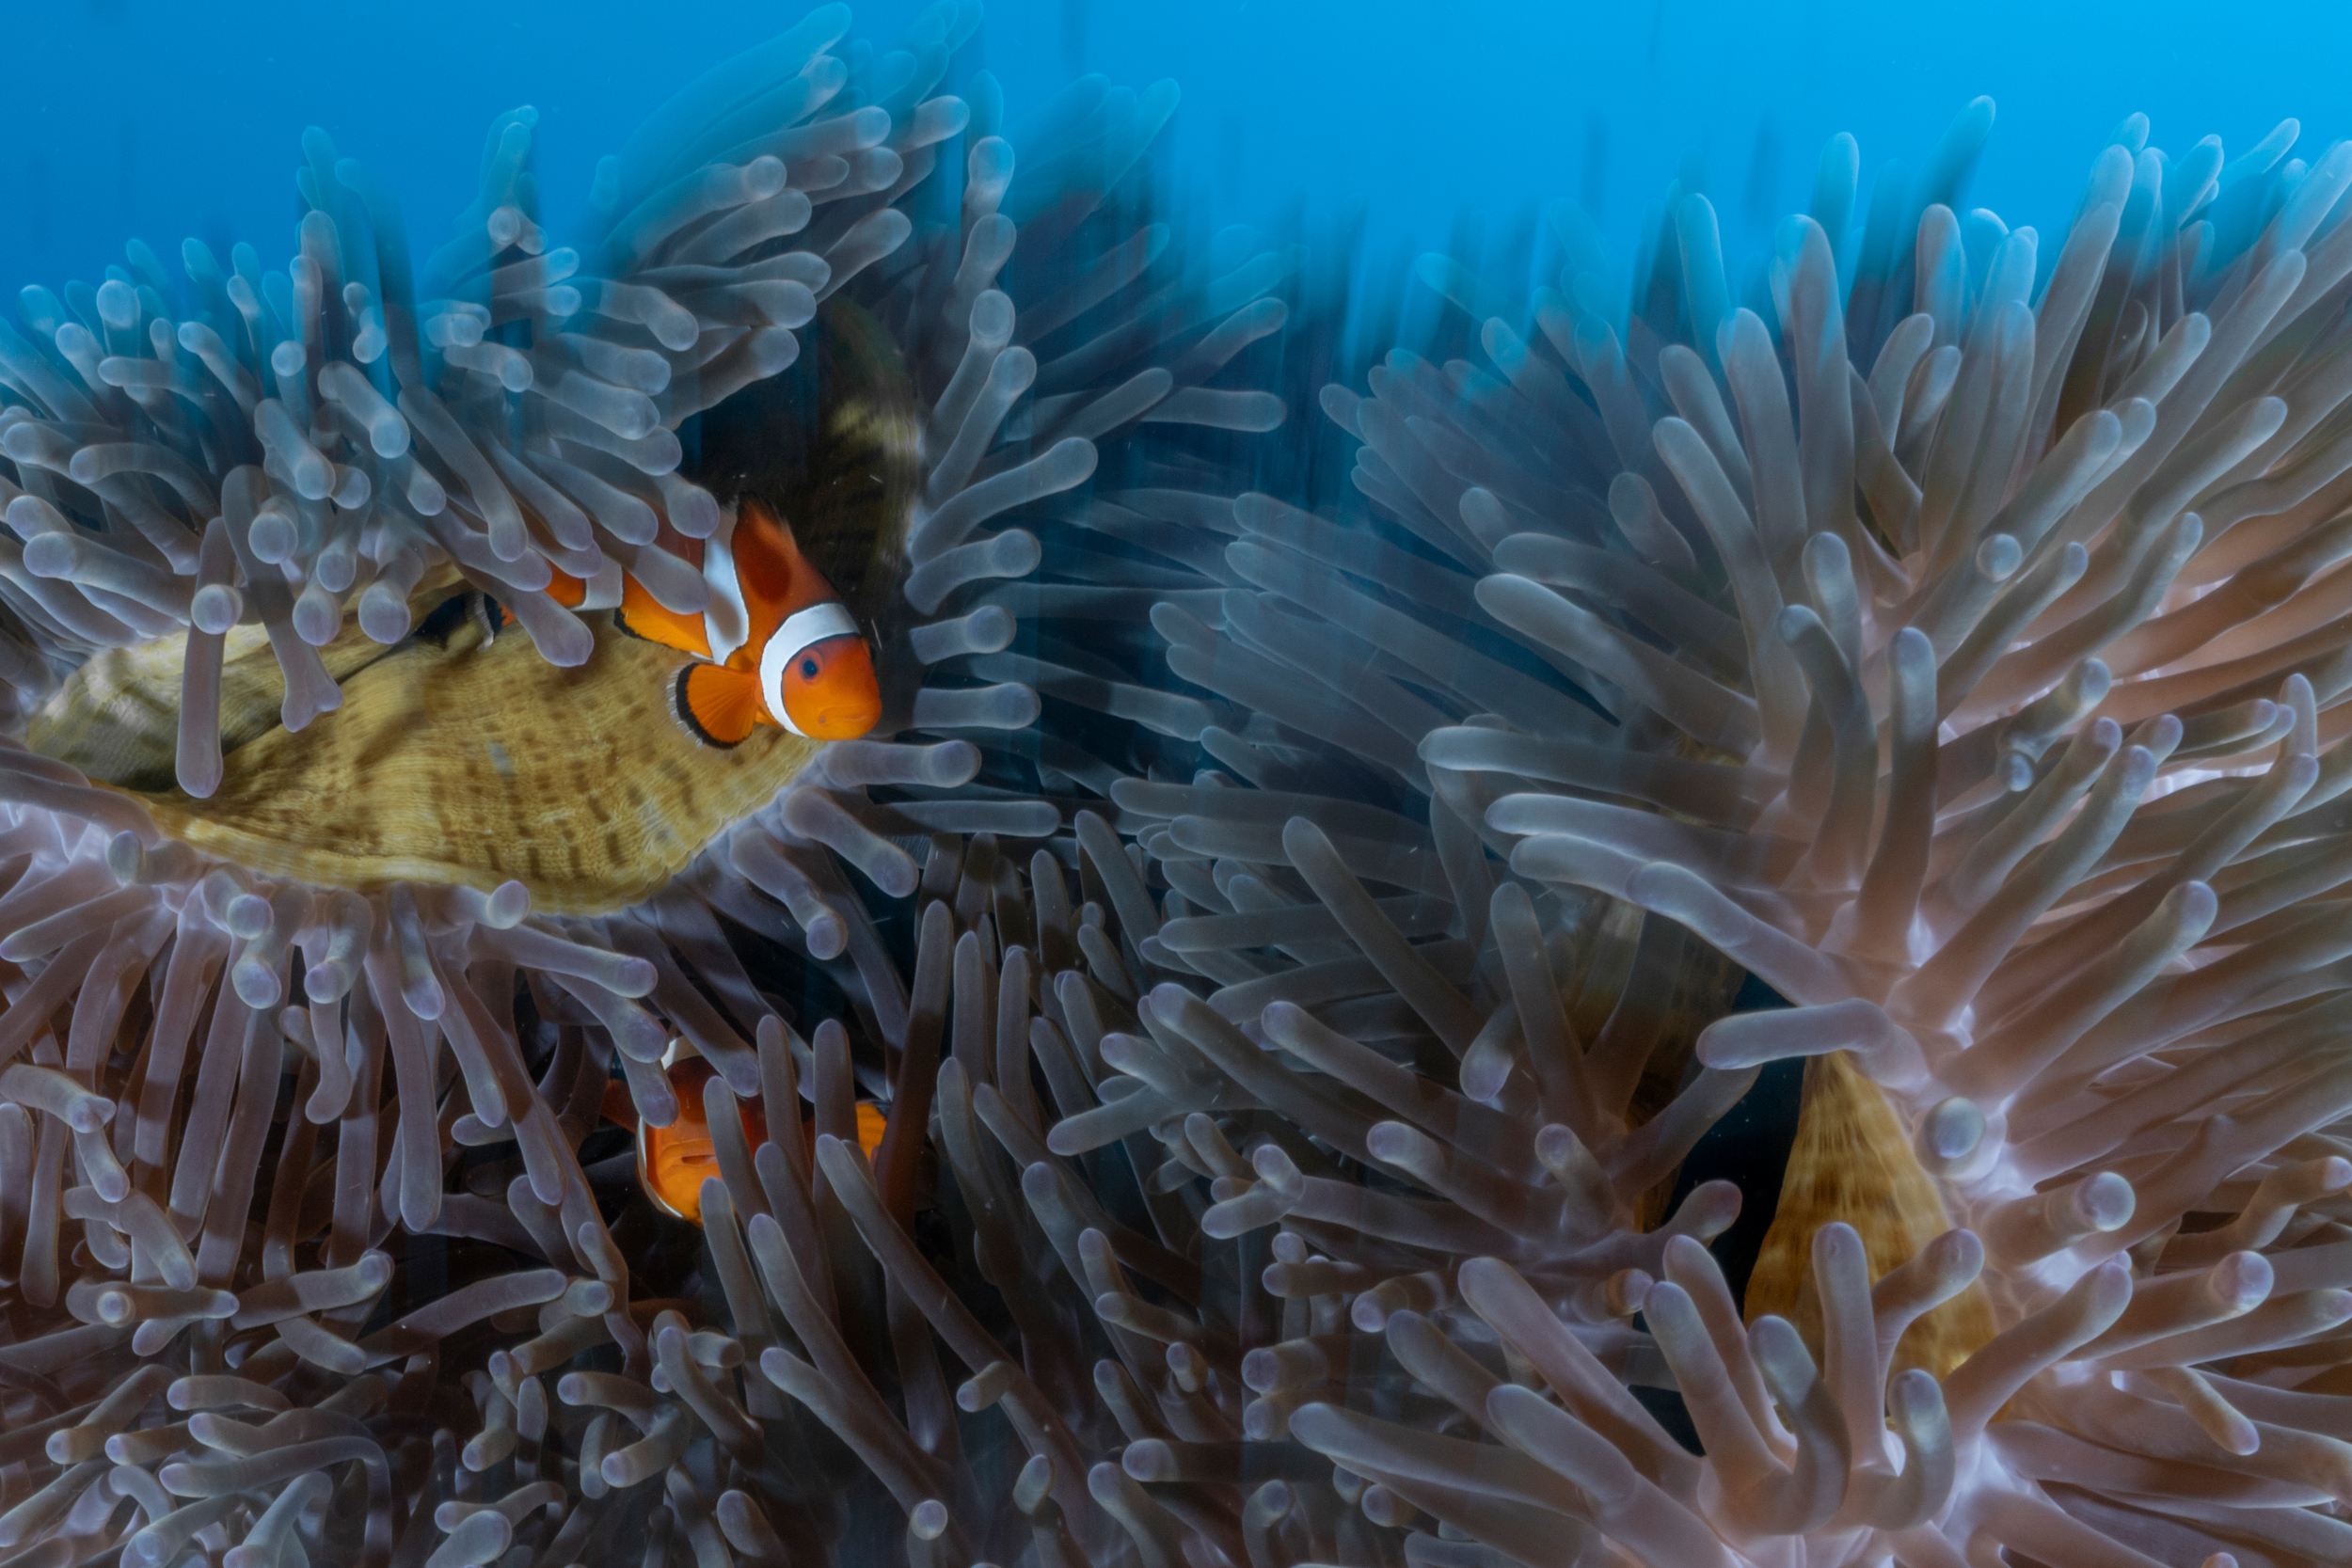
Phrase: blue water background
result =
(141, 117)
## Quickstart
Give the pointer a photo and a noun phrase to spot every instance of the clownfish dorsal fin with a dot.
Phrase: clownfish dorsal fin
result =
(763, 516)
(716, 706)
(774, 577)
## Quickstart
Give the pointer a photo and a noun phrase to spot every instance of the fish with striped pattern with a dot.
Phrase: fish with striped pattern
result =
(776, 645)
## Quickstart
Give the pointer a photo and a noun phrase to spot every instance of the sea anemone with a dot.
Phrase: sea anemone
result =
(1292, 938)
(1973, 669)
(266, 857)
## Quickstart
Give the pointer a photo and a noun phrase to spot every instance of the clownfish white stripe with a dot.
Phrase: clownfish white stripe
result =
(799, 631)
(727, 622)
(603, 591)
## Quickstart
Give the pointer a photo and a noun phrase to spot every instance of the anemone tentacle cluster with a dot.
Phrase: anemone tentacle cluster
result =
(511, 409)
(1977, 671)
(1290, 938)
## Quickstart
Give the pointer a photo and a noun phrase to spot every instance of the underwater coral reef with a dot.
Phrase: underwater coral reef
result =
(1211, 1081)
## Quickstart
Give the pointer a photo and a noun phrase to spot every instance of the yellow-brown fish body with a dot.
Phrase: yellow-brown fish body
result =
(776, 645)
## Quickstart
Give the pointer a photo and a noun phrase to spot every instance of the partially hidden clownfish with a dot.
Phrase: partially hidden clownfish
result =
(776, 646)
(673, 1162)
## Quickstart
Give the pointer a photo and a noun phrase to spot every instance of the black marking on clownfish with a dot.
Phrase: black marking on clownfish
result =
(488, 615)
(442, 620)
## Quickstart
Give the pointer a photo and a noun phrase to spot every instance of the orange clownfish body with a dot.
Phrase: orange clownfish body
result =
(776, 646)
(673, 1162)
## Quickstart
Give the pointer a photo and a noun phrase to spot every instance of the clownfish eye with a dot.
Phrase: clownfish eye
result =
(808, 669)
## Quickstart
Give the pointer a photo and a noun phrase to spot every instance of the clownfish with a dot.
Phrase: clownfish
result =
(673, 1162)
(776, 646)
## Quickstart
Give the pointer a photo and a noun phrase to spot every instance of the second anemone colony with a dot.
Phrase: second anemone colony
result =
(1202, 1083)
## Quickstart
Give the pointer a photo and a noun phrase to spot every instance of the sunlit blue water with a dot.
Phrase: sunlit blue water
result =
(159, 119)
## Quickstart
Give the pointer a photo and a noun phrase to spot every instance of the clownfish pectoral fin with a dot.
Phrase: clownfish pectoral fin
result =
(716, 706)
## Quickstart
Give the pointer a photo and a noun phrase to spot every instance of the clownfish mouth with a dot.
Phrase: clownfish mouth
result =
(842, 721)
